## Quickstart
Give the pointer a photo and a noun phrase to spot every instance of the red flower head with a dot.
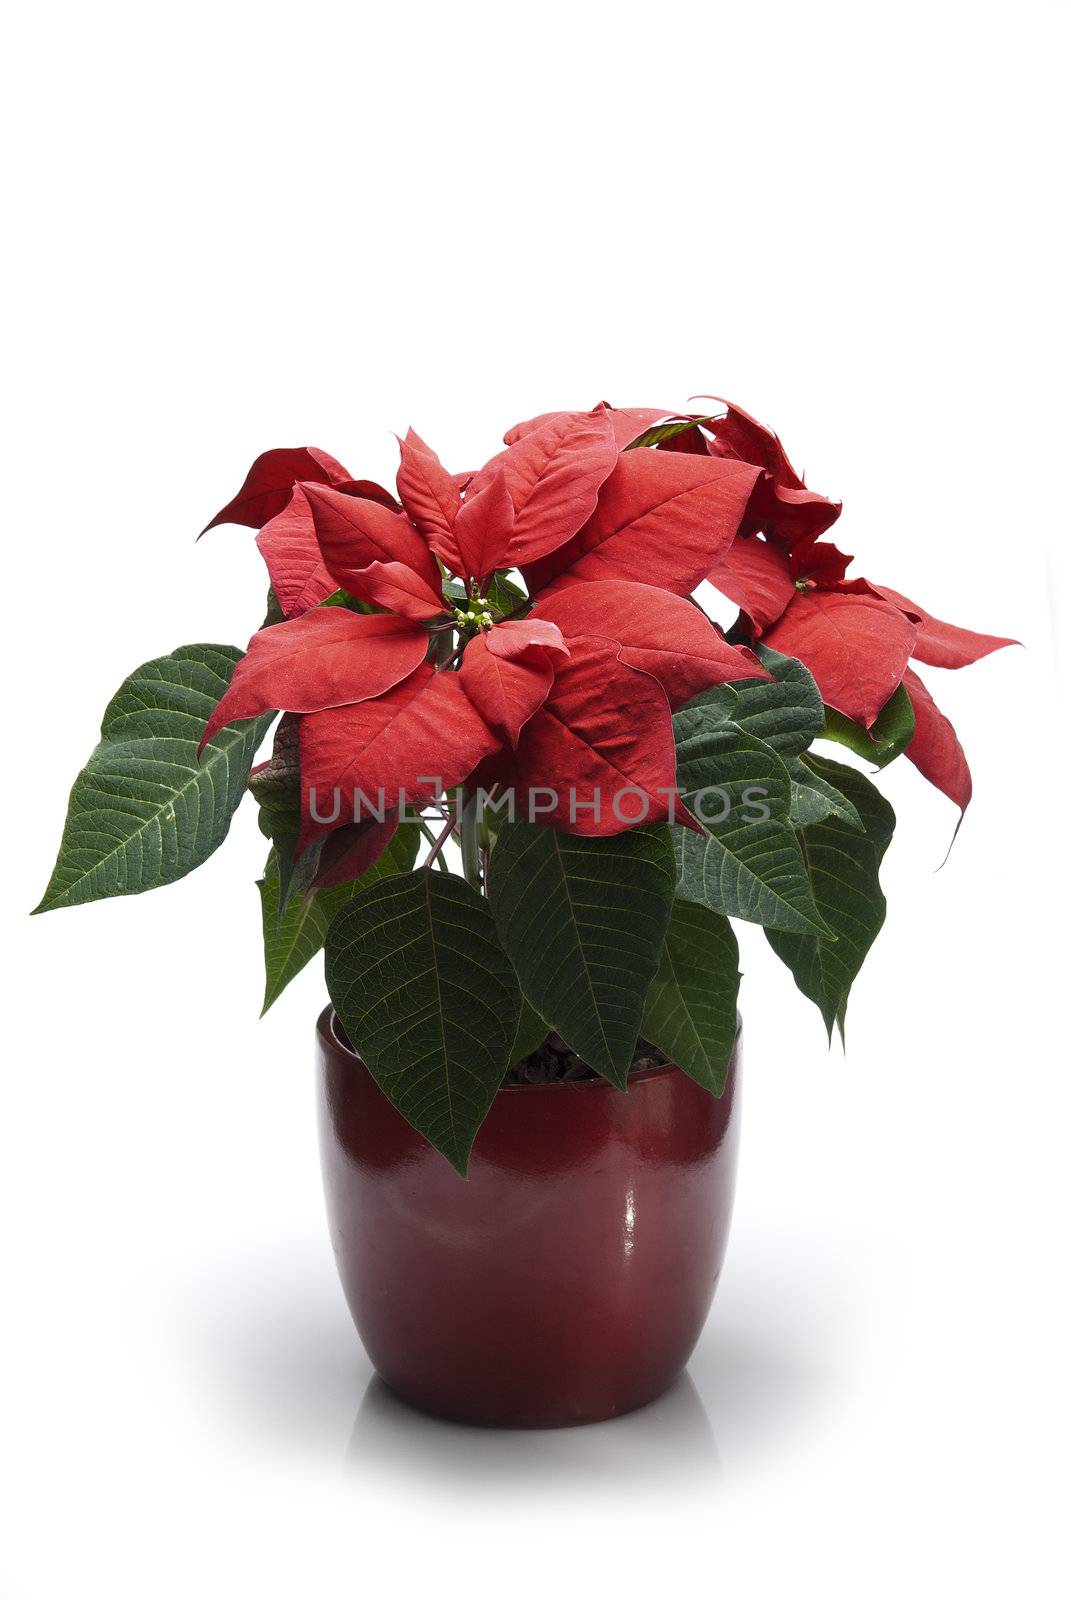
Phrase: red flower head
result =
(572, 687)
(855, 637)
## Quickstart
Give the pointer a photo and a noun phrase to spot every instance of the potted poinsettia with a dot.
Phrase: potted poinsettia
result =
(519, 786)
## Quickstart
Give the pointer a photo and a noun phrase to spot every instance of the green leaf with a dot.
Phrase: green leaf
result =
(293, 933)
(349, 602)
(338, 597)
(296, 872)
(748, 863)
(785, 713)
(584, 921)
(428, 999)
(666, 430)
(890, 735)
(843, 864)
(276, 787)
(531, 1032)
(691, 1005)
(814, 799)
(504, 595)
(144, 811)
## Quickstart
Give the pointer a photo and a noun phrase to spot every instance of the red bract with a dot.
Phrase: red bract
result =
(856, 646)
(506, 690)
(271, 478)
(553, 475)
(783, 505)
(655, 632)
(429, 494)
(355, 535)
(292, 556)
(507, 672)
(328, 658)
(484, 528)
(273, 500)
(348, 852)
(517, 638)
(659, 516)
(755, 576)
(935, 749)
(940, 644)
(627, 422)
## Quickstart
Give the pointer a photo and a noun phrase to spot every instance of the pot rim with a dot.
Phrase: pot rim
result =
(327, 1024)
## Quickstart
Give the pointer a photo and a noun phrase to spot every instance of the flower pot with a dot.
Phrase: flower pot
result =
(568, 1278)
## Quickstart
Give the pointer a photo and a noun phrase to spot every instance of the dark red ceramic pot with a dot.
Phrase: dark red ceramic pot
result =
(568, 1279)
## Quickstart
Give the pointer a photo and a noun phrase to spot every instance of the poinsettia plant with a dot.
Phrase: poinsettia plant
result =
(513, 660)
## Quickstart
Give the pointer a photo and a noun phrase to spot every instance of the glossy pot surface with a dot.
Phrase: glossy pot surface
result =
(568, 1279)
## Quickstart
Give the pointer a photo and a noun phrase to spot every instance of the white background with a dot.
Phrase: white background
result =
(237, 226)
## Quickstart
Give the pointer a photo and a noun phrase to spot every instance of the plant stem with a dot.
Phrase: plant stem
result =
(437, 847)
(430, 837)
(470, 842)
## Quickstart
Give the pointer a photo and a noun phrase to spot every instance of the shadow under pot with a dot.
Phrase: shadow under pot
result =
(568, 1278)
